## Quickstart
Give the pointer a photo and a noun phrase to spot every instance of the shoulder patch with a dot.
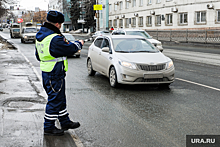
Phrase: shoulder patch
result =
(64, 39)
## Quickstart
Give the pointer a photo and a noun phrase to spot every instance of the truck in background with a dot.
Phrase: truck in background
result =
(14, 30)
(28, 31)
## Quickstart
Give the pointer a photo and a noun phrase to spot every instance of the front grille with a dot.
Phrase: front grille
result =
(151, 80)
(151, 67)
(31, 37)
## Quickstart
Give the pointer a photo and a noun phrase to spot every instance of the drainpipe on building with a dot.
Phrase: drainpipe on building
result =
(98, 17)
(107, 14)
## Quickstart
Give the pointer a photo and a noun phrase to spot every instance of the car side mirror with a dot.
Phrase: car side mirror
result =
(105, 49)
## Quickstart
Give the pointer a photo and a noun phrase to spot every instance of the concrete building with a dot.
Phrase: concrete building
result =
(164, 14)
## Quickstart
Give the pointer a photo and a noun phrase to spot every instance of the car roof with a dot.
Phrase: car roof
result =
(124, 36)
(129, 30)
(66, 33)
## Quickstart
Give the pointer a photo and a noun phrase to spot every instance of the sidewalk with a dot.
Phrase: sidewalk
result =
(22, 103)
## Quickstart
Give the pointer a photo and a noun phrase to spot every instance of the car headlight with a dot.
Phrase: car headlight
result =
(169, 64)
(127, 64)
(25, 37)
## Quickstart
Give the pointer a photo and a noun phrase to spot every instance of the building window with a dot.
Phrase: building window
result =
(133, 3)
(158, 1)
(116, 6)
(149, 21)
(201, 17)
(115, 23)
(127, 4)
(218, 16)
(127, 22)
(121, 23)
(121, 5)
(149, 2)
(183, 18)
(158, 20)
(110, 23)
(140, 21)
(110, 8)
(134, 22)
(169, 19)
(141, 2)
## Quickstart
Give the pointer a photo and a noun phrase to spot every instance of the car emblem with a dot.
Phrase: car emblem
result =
(152, 63)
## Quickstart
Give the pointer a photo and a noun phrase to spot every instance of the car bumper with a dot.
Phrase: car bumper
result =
(129, 76)
(78, 53)
(27, 39)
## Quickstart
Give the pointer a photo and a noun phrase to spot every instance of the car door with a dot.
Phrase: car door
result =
(94, 55)
(105, 57)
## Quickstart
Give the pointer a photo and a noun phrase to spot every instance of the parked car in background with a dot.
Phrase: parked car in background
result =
(99, 33)
(15, 30)
(129, 59)
(142, 33)
(70, 37)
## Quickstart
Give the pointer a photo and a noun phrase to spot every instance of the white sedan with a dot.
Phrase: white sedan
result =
(129, 59)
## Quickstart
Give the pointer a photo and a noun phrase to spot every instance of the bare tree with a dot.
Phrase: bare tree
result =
(90, 13)
(3, 9)
(40, 16)
(75, 13)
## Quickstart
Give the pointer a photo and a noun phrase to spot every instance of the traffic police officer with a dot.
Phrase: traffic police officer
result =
(52, 48)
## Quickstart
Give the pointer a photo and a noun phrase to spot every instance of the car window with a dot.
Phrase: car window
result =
(118, 33)
(105, 43)
(139, 33)
(133, 45)
(98, 42)
(16, 30)
(30, 30)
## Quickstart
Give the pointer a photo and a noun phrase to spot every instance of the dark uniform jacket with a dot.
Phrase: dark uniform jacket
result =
(59, 47)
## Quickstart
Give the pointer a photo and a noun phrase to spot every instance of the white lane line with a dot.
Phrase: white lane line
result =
(198, 84)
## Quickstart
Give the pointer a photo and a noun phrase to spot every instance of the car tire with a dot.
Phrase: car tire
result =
(77, 56)
(22, 40)
(113, 78)
(91, 72)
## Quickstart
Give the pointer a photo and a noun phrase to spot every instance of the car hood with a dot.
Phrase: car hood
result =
(153, 41)
(143, 58)
(29, 34)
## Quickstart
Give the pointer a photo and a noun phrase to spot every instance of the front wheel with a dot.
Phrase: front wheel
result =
(91, 72)
(113, 78)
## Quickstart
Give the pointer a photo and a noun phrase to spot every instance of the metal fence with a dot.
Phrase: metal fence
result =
(188, 36)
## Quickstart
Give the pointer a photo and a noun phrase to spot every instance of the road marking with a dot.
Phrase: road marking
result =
(199, 84)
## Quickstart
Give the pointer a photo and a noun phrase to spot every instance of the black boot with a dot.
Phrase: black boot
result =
(54, 132)
(71, 125)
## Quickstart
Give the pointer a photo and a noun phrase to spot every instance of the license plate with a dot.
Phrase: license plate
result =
(153, 76)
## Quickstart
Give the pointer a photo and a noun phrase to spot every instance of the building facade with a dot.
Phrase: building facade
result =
(164, 14)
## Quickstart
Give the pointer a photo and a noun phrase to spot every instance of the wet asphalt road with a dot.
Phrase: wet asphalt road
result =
(140, 116)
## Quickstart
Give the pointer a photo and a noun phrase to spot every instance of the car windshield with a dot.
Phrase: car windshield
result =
(133, 45)
(30, 30)
(70, 37)
(139, 33)
(16, 30)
